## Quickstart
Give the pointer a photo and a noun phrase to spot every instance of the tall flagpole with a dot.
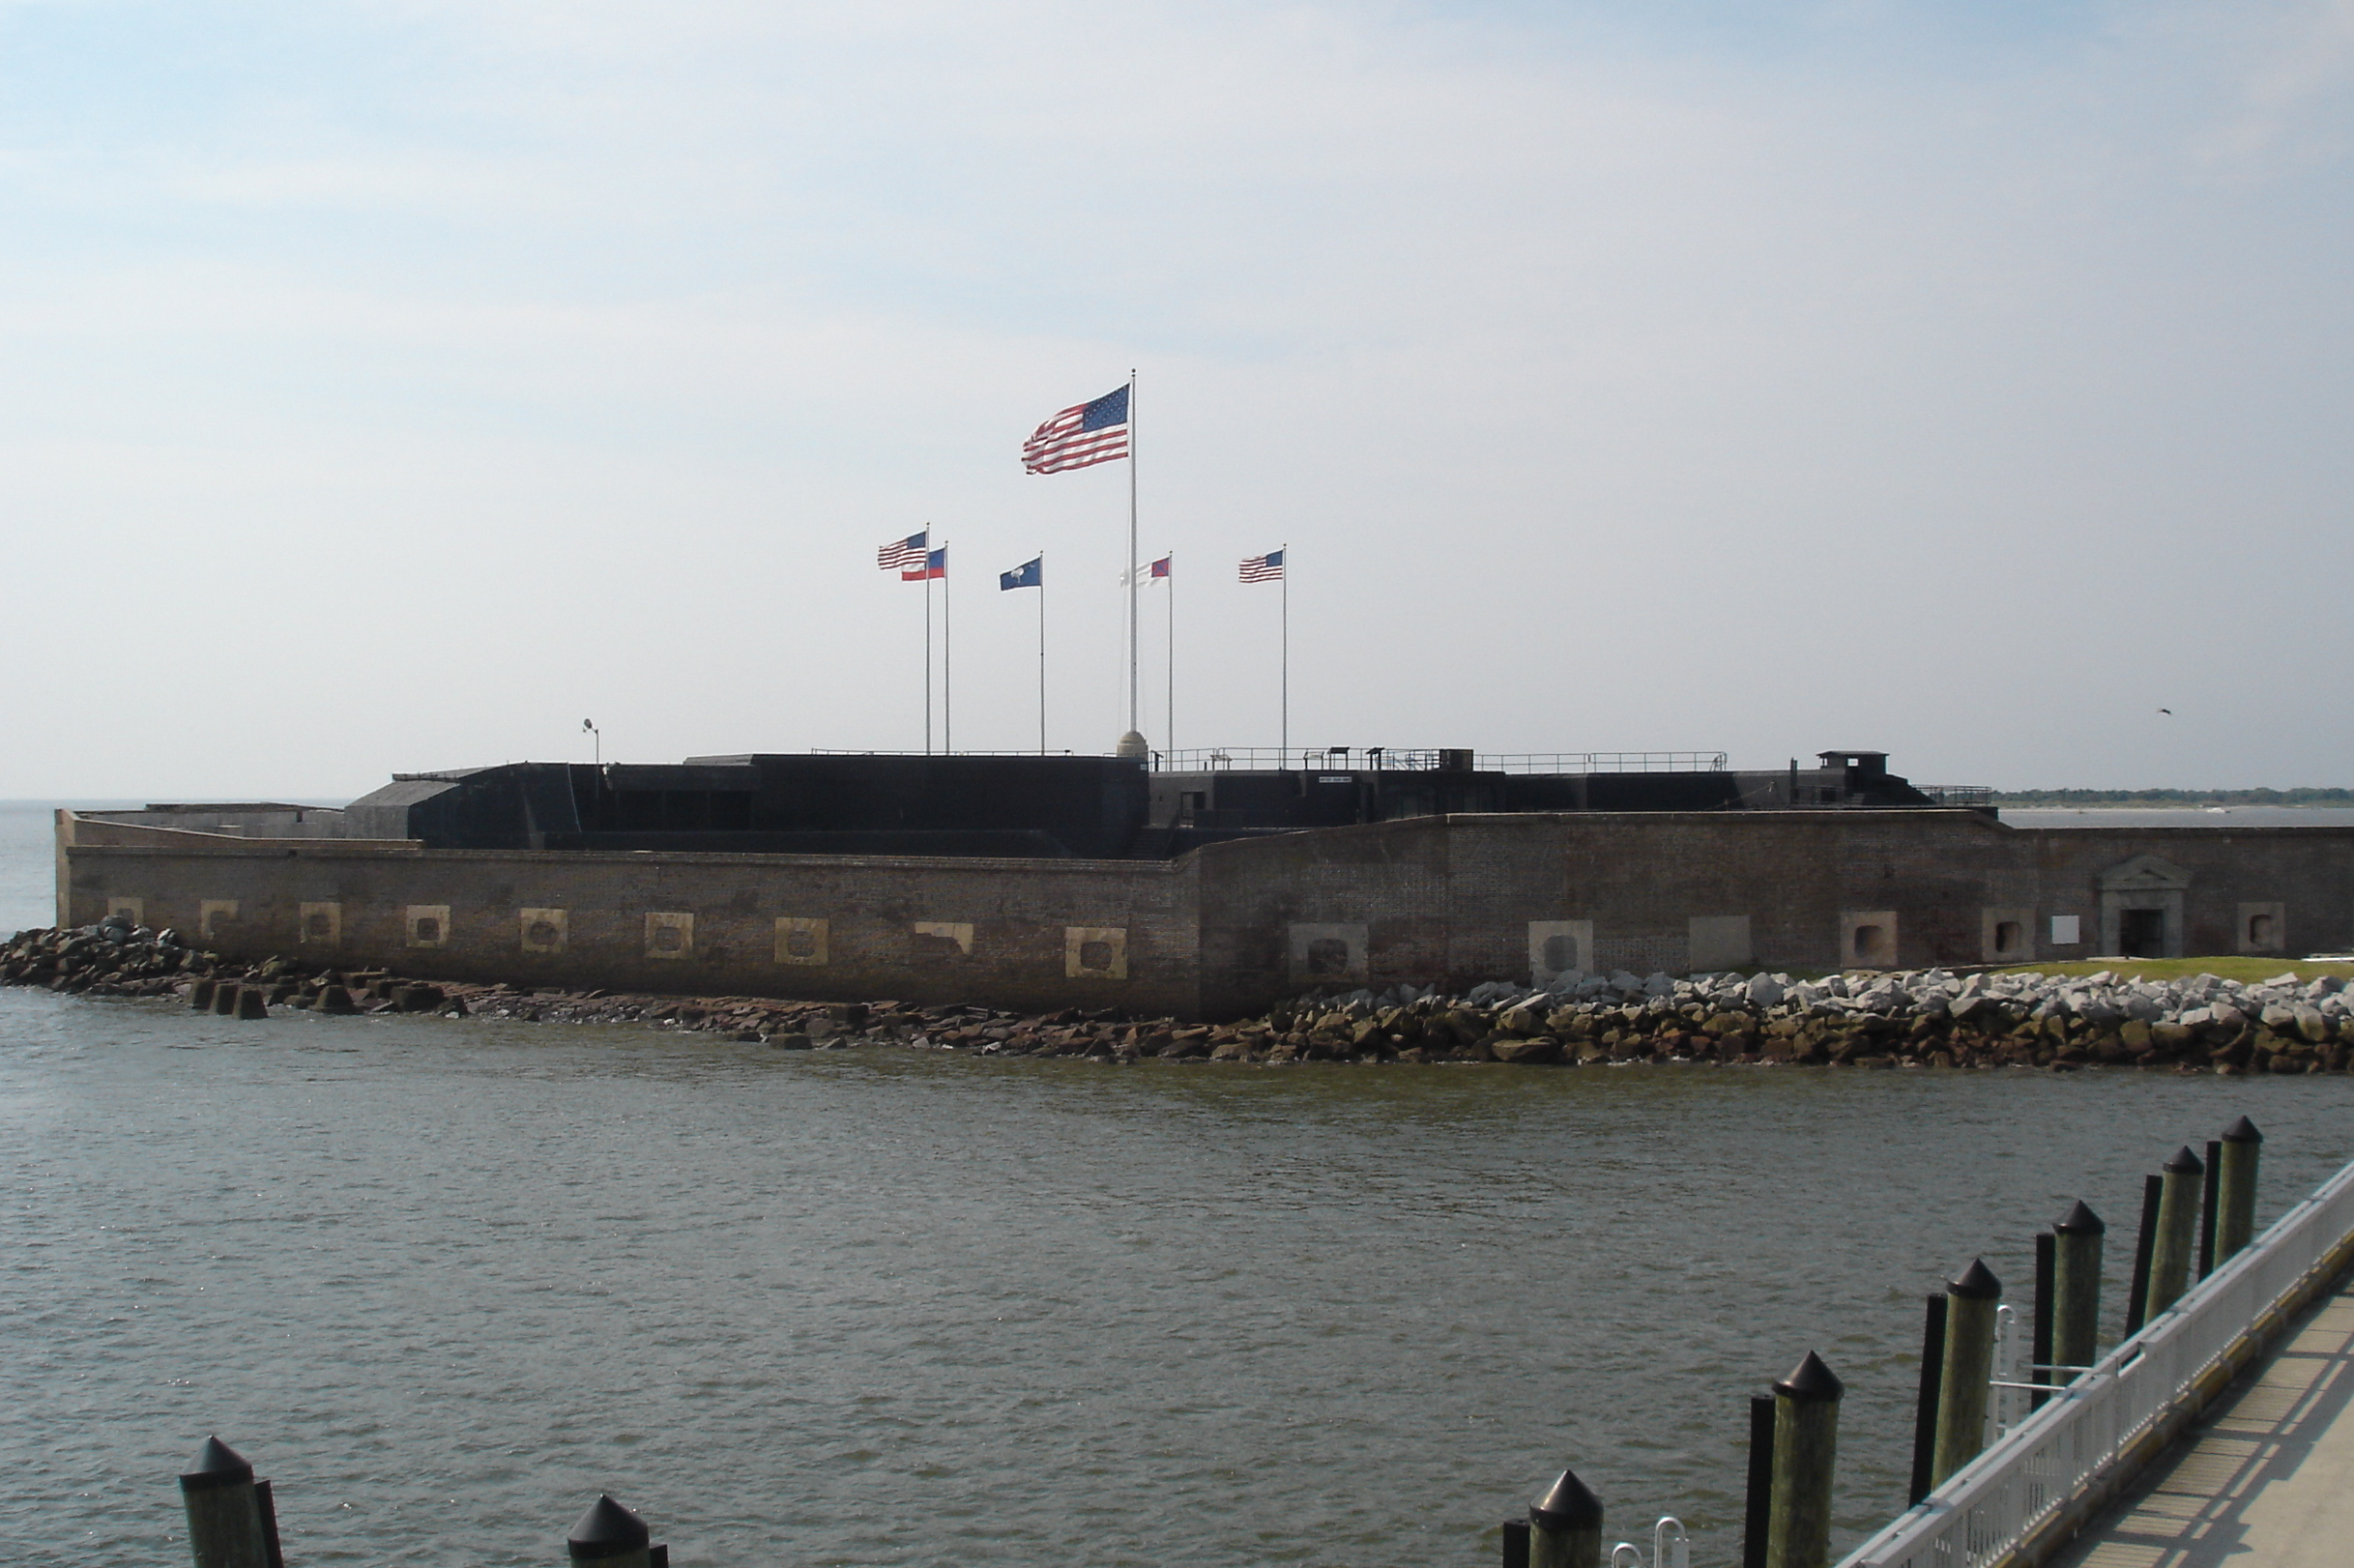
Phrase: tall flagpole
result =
(947, 661)
(1041, 653)
(947, 665)
(1168, 713)
(927, 644)
(1133, 715)
(1286, 656)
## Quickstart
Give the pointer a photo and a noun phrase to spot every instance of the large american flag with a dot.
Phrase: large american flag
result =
(901, 554)
(1264, 569)
(1080, 436)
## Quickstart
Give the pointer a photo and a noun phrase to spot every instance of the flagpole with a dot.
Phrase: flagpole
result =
(927, 644)
(1286, 656)
(1133, 715)
(947, 663)
(1168, 713)
(1041, 653)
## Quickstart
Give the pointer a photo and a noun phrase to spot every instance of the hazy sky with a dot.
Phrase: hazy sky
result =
(394, 385)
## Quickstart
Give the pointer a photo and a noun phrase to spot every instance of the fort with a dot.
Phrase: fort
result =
(1199, 886)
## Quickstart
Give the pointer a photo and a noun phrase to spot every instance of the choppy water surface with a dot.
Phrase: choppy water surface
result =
(444, 1281)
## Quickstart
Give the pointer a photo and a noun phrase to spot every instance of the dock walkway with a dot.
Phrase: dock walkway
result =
(2268, 1481)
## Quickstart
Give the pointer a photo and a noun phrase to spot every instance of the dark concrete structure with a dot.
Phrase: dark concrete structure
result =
(1046, 808)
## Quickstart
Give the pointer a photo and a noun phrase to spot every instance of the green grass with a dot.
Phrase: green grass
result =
(2243, 970)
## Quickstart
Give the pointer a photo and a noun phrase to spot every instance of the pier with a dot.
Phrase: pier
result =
(2114, 1468)
(2268, 1483)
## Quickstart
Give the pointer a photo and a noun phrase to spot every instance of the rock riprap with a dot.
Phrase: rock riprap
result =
(1924, 1018)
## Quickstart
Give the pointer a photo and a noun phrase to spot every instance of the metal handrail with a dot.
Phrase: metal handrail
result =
(2086, 1433)
(1405, 760)
(1606, 762)
(1667, 1551)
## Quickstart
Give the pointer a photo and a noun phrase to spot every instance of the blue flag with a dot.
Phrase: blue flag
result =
(1029, 574)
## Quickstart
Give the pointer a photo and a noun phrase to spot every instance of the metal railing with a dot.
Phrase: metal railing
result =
(1386, 759)
(2064, 1455)
(1607, 762)
(1959, 795)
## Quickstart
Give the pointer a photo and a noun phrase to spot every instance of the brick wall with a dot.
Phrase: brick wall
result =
(1236, 925)
(1018, 934)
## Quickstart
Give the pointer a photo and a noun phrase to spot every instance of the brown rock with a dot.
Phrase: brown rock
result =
(1527, 1053)
(1524, 1019)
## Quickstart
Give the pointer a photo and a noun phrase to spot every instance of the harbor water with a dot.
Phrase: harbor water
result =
(445, 1280)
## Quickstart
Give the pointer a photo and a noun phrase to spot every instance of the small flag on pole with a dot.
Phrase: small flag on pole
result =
(1080, 436)
(1029, 574)
(1264, 569)
(935, 563)
(901, 554)
(1160, 568)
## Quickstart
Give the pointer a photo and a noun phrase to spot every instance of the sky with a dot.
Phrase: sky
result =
(394, 385)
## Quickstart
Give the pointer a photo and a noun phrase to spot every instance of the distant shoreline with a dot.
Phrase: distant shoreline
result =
(2191, 800)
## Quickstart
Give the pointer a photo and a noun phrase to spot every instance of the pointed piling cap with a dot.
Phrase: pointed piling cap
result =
(2184, 1163)
(1568, 1506)
(2242, 1131)
(606, 1531)
(1811, 1382)
(215, 1465)
(2080, 1220)
(1976, 1282)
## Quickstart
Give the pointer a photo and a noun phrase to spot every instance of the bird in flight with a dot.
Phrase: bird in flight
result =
(2169, 712)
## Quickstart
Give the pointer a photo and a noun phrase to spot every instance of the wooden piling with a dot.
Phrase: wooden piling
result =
(1515, 1543)
(2175, 1244)
(1925, 1405)
(2235, 1224)
(2210, 1191)
(265, 1501)
(1758, 1511)
(611, 1536)
(2039, 1345)
(2145, 1242)
(1806, 1451)
(225, 1523)
(1970, 1303)
(2076, 1289)
(1565, 1529)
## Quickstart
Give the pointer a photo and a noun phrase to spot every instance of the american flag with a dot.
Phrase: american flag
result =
(1264, 569)
(1080, 436)
(901, 554)
(927, 564)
